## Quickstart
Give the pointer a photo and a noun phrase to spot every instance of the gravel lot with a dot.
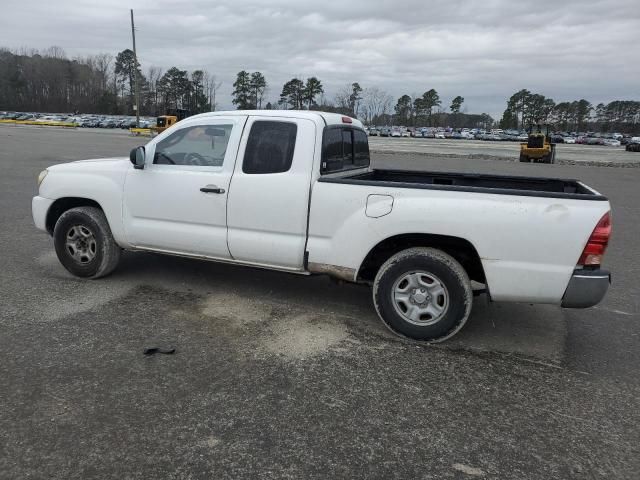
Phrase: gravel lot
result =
(589, 155)
(278, 376)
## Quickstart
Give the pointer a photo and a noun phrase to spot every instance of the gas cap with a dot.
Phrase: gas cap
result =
(379, 205)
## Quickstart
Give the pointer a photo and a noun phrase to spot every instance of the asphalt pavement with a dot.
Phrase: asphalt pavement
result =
(281, 376)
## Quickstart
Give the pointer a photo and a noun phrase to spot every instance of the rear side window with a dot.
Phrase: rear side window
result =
(361, 149)
(270, 147)
(344, 149)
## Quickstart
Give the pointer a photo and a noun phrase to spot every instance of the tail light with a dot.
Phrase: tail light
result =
(597, 243)
(347, 120)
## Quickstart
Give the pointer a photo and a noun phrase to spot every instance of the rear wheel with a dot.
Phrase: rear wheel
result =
(423, 294)
(84, 243)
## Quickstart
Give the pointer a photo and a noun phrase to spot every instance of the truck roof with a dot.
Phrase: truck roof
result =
(326, 117)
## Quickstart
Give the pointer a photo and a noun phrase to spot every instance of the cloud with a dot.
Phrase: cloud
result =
(483, 51)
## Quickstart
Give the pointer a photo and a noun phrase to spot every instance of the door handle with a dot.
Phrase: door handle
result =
(212, 189)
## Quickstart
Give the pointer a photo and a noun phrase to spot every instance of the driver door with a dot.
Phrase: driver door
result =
(178, 202)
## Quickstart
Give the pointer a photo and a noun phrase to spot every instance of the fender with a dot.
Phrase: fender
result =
(99, 181)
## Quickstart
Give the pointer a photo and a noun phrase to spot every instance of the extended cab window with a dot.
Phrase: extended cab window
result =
(344, 148)
(270, 147)
(200, 145)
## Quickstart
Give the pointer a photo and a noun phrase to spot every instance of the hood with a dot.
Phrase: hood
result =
(103, 160)
(93, 164)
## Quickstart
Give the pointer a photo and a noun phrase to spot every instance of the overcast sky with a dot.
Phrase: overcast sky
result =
(483, 50)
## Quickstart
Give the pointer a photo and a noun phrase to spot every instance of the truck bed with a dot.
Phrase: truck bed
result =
(473, 182)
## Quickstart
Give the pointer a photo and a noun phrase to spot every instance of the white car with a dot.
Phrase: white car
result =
(569, 140)
(439, 135)
(396, 132)
(294, 191)
(612, 142)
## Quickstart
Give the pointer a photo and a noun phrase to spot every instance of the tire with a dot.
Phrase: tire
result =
(524, 158)
(84, 243)
(442, 313)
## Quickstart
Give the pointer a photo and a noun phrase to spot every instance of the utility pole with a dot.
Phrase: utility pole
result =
(135, 61)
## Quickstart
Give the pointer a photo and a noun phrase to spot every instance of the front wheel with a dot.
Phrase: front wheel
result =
(423, 294)
(84, 243)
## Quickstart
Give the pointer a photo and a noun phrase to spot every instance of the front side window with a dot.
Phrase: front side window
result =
(200, 145)
(270, 147)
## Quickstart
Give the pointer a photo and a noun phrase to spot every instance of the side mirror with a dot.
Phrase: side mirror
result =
(137, 157)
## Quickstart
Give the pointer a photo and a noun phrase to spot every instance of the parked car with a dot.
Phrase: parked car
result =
(611, 142)
(569, 140)
(91, 123)
(395, 132)
(632, 147)
(108, 123)
(373, 132)
(385, 131)
(439, 135)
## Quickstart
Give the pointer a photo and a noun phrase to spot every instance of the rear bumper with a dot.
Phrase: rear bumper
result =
(586, 288)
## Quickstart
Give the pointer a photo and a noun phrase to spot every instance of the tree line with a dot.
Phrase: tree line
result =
(372, 105)
(525, 109)
(427, 110)
(32, 80)
(50, 82)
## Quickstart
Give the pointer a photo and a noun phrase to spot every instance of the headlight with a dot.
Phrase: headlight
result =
(41, 176)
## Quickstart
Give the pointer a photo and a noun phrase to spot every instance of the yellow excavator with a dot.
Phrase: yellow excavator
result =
(538, 148)
(167, 121)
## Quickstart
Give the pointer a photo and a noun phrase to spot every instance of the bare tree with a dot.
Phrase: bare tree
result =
(211, 86)
(375, 104)
(342, 99)
(154, 74)
(102, 62)
(54, 52)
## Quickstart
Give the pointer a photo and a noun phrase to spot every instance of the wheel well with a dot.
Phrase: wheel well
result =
(61, 205)
(459, 248)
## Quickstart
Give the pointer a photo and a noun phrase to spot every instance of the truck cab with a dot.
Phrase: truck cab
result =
(232, 196)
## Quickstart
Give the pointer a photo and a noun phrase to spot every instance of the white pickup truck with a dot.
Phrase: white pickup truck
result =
(294, 191)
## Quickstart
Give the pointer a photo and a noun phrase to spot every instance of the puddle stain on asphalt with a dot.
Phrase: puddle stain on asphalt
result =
(281, 329)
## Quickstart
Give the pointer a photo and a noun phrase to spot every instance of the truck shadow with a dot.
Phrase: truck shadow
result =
(536, 331)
